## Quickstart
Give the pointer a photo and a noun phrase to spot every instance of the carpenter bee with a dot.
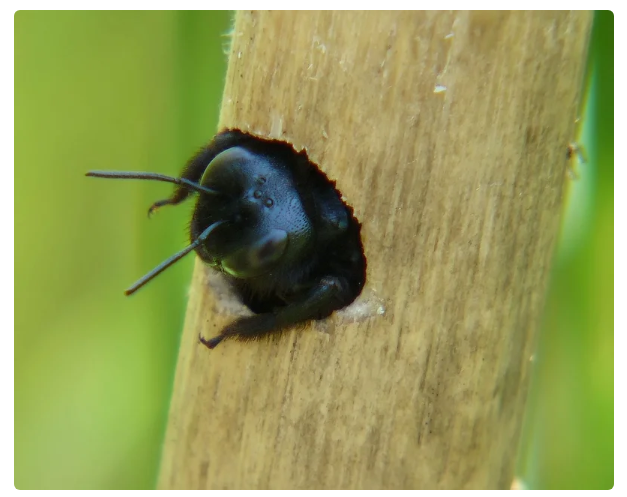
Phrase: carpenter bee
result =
(273, 224)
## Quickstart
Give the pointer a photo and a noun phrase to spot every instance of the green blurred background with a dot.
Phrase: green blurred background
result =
(94, 370)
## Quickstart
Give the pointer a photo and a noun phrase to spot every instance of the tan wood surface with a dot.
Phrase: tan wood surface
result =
(447, 132)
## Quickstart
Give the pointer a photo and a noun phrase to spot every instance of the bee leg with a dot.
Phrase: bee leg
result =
(192, 171)
(329, 294)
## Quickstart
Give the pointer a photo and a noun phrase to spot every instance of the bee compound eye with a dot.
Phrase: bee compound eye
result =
(255, 258)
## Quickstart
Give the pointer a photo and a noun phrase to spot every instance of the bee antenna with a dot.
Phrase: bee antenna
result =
(168, 262)
(153, 176)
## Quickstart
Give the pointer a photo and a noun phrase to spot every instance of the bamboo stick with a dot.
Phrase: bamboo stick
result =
(447, 132)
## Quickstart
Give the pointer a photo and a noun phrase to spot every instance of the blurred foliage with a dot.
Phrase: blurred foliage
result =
(569, 442)
(94, 369)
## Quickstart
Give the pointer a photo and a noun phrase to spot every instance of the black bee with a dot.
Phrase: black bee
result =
(273, 224)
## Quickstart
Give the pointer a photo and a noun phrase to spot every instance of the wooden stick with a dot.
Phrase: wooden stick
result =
(448, 133)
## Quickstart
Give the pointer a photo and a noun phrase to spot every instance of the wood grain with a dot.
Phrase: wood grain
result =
(447, 132)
